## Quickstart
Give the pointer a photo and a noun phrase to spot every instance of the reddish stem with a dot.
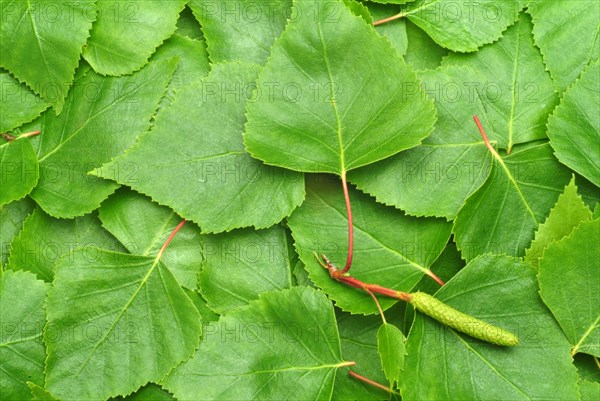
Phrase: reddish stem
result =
(388, 19)
(435, 277)
(350, 225)
(30, 134)
(484, 136)
(168, 241)
(371, 382)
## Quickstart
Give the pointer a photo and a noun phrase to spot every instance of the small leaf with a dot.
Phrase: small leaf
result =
(41, 43)
(578, 113)
(570, 285)
(21, 348)
(19, 104)
(554, 31)
(197, 144)
(342, 98)
(463, 26)
(502, 291)
(44, 240)
(129, 322)
(422, 52)
(568, 212)
(127, 33)
(19, 169)
(390, 345)
(150, 392)
(39, 393)
(395, 258)
(12, 216)
(287, 337)
(102, 118)
(242, 264)
(142, 226)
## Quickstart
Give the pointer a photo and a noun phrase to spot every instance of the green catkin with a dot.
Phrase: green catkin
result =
(449, 316)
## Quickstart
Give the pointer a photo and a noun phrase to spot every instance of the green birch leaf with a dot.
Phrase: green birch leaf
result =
(439, 358)
(590, 391)
(395, 258)
(242, 264)
(359, 9)
(41, 42)
(574, 127)
(358, 337)
(516, 89)
(21, 348)
(241, 30)
(102, 118)
(126, 33)
(187, 25)
(129, 322)
(463, 26)
(39, 393)
(390, 345)
(19, 104)
(569, 277)
(502, 216)
(568, 212)
(143, 226)
(288, 337)
(587, 367)
(334, 96)
(44, 240)
(436, 178)
(200, 136)
(12, 216)
(422, 52)
(150, 392)
(200, 304)
(554, 31)
(395, 31)
(19, 169)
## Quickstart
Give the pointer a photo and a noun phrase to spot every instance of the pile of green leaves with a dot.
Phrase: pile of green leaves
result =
(240, 116)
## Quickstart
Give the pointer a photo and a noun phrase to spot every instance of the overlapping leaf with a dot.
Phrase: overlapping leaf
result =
(12, 216)
(422, 52)
(21, 348)
(194, 161)
(41, 41)
(435, 178)
(44, 240)
(516, 89)
(569, 276)
(463, 26)
(566, 24)
(102, 118)
(19, 169)
(390, 345)
(574, 128)
(445, 365)
(334, 96)
(19, 104)
(129, 322)
(241, 265)
(126, 33)
(568, 213)
(241, 30)
(390, 248)
(286, 337)
(502, 216)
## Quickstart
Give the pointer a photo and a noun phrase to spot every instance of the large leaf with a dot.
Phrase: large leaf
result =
(288, 338)
(142, 226)
(19, 104)
(574, 128)
(568, 213)
(102, 118)
(12, 216)
(241, 265)
(443, 364)
(194, 160)
(334, 96)
(44, 240)
(40, 43)
(436, 178)
(241, 30)
(502, 216)
(21, 348)
(462, 25)
(566, 24)
(390, 248)
(126, 33)
(516, 89)
(129, 322)
(19, 169)
(569, 276)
